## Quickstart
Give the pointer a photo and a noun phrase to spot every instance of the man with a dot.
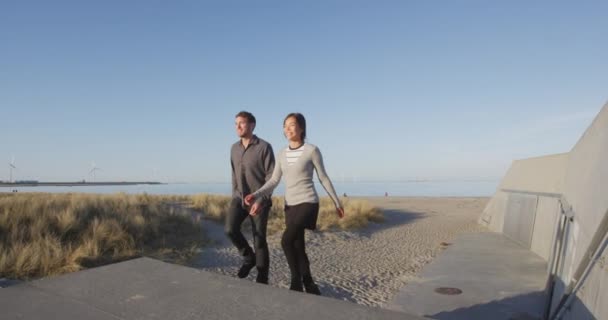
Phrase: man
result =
(252, 161)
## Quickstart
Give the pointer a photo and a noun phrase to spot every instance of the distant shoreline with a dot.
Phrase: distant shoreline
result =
(76, 184)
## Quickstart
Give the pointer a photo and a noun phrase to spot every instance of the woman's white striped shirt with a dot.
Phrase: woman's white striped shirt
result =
(293, 155)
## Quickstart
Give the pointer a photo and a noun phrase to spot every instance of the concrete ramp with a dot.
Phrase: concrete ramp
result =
(150, 289)
(498, 279)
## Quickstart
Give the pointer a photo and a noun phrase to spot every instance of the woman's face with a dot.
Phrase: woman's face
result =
(292, 131)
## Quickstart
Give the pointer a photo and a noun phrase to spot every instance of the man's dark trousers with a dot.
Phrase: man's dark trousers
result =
(237, 213)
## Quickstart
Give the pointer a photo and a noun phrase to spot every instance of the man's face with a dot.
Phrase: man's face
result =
(243, 127)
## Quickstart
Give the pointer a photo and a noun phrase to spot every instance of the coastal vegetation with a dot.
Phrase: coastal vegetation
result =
(44, 234)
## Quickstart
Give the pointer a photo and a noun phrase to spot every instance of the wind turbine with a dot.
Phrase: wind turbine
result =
(11, 166)
(93, 169)
(155, 174)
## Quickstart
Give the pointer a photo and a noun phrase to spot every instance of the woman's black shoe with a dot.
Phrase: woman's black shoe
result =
(296, 286)
(312, 288)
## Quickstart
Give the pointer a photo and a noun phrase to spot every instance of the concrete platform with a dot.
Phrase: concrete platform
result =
(149, 289)
(499, 280)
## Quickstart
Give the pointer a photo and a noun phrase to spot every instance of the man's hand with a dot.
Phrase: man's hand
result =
(254, 209)
(249, 199)
(340, 212)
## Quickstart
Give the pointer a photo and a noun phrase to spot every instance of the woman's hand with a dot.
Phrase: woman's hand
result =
(249, 199)
(255, 208)
(340, 212)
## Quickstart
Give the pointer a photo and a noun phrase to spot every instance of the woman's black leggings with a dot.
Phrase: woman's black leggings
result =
(297, 219)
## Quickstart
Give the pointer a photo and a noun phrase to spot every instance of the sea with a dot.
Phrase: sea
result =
(415, 188)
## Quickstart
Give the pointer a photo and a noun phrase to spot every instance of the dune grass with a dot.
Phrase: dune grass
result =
(48, 234)
(44, 234)
(358, 213)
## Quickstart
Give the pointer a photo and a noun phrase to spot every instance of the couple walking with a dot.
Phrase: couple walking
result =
(254, 176)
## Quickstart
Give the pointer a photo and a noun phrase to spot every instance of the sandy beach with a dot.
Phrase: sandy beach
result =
(366, 266)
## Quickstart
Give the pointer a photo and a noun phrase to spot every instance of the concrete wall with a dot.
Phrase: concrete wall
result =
(587, 179)
(580, 179)
(541, 174)
(547, 212)
(530, 188)
(493, 215)
(519, 218)
(591, 299)
(586, 189)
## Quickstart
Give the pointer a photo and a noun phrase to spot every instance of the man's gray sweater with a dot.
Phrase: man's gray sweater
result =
(251, 167)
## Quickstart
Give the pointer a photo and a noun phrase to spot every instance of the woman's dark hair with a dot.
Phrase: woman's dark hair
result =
(300, 121)
(247, 115)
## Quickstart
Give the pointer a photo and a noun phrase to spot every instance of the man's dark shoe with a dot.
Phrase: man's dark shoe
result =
(245, 268)
(262, 276)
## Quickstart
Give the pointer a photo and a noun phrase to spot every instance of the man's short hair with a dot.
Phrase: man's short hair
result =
(247, 115)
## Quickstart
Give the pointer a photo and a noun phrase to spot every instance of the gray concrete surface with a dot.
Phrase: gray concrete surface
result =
(519, 218)
(586, 182)
(499, 280)
(150, 289)
(538, 174)
(547, 213)
(543, 175)
(578, 179)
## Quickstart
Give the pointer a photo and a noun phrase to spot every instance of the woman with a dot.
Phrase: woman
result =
(296, 163)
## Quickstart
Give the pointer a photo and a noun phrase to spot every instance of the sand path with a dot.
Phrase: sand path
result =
(366, 266)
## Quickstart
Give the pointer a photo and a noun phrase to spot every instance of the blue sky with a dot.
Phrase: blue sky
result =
(391, 89)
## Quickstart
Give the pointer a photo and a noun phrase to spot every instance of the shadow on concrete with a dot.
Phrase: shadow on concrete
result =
(529, 306)
(576, 309)
(5, 283)
(94, 262)
(579, 311)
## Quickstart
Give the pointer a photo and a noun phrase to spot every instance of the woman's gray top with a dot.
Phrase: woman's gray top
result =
(297, 167)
